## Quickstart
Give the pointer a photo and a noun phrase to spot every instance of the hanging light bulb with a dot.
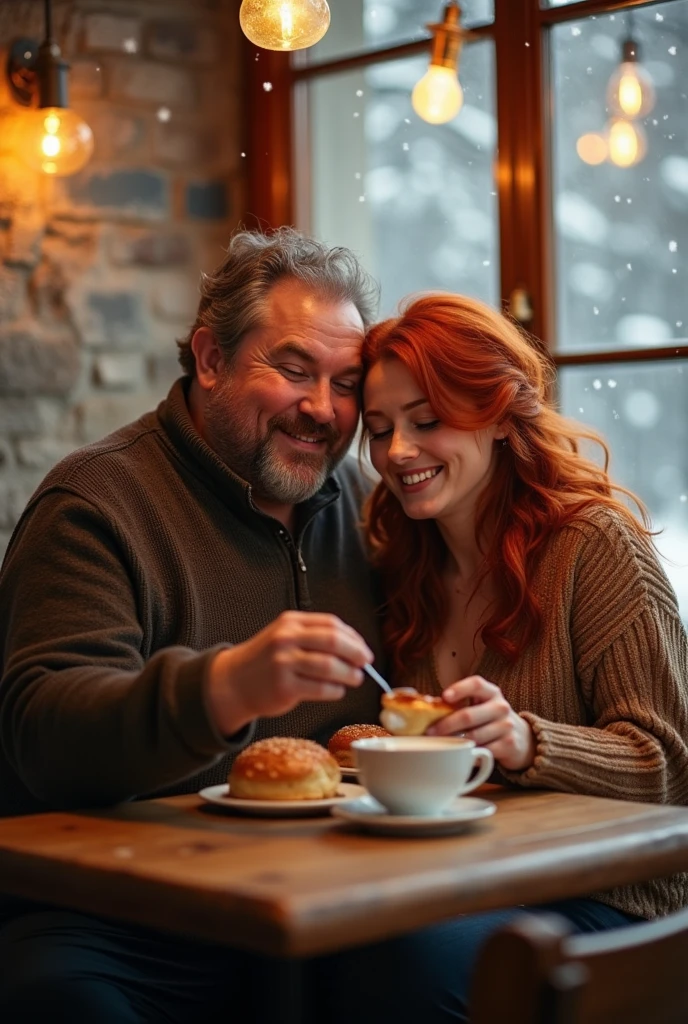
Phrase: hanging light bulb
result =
(438, 96)
(56, 141)
(284, 24)
(52, 138)
(630, 92)
(592, 148)
(626, 142)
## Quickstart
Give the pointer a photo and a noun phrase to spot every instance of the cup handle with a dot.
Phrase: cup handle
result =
(485, 760)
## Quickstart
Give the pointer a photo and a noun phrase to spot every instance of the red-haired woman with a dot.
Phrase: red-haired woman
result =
(517, 583)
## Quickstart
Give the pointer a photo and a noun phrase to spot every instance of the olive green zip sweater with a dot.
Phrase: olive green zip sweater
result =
(135, 561)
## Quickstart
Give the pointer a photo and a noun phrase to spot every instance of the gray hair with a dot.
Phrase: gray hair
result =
(233, 296)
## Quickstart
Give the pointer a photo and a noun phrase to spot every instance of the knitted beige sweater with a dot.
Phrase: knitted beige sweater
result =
(605, 684)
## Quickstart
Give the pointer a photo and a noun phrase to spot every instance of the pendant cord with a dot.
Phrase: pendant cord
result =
(48, 20)
(630, 21)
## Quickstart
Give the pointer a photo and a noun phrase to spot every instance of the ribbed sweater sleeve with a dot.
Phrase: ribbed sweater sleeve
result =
(631, 662)
(85, 716)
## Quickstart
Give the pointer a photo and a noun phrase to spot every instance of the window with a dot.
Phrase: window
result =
(418, 202)
(501, 199)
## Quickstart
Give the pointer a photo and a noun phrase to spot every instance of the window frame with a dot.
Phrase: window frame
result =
(277, 132)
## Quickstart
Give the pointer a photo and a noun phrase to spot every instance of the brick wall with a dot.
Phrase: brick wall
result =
(99, 271)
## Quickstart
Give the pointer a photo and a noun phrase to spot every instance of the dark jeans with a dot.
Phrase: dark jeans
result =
(59, 967)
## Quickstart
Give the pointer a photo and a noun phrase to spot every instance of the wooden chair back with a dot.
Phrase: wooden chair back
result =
(535, 971)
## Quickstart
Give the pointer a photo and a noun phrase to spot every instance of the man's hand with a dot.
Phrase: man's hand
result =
(300, 656)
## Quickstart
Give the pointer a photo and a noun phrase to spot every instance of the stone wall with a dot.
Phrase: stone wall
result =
(99, 271)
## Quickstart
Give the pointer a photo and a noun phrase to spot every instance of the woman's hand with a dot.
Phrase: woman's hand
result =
(484, 715)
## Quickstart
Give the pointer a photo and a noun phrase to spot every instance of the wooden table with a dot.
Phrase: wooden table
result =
(298, 888)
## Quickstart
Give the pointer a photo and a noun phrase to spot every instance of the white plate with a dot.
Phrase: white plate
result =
(220, 796)
(373, 817)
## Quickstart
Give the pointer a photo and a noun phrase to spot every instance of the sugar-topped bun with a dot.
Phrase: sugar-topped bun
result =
(340, 744)
(406, 712)
(283, 768)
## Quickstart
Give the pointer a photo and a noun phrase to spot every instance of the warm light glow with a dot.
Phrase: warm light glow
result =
(630, 95)
(626, 143)
(630, 92)
(55, 140)
(284, 24)
(287, 22)
(50, 145)
(438, 96)
(592, 148)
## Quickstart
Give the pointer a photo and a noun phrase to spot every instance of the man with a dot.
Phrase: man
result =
(193, 582)
(170, 592)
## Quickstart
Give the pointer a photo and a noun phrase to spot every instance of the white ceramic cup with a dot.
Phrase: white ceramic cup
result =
(420, 775)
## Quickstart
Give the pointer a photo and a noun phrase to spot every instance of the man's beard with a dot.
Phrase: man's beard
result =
(273, 476)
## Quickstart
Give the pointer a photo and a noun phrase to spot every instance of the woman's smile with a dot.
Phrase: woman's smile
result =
(418, 479)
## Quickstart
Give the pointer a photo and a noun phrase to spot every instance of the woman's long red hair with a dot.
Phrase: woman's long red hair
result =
(477, 369)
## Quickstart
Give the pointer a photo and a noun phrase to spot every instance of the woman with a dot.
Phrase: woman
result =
(521, 588)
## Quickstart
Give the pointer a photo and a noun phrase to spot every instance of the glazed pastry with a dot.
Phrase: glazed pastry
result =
(406, 712)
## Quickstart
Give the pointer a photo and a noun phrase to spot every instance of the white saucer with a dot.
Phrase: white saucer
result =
(373, 817)
(353, 772)
(220, 796)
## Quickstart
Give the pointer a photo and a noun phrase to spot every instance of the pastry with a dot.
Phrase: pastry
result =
(283, 768)
(340, 744)
(406, 712)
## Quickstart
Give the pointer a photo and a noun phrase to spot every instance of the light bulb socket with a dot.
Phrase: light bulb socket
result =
(38, 74)
(447, 36)
(52, 72)
(630, 51)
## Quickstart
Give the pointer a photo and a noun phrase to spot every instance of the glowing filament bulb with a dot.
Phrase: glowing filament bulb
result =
(287, 21)
(630, 94)
(626, 143)
(284, 24)
(437, 97)
(55, 140)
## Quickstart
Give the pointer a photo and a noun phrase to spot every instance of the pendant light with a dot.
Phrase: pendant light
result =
(630, 92)
(438, 97)
(51, 138)
(284, 24)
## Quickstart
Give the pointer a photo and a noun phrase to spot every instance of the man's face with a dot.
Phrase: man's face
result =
(284, 412)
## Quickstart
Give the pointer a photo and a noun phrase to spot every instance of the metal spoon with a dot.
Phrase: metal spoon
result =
(374, 674)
